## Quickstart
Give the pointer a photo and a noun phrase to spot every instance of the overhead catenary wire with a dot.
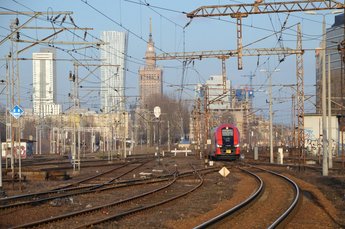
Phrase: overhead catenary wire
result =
(278, 64)
(119, 24)
(66, 50)
(134, 71)
(84, 54)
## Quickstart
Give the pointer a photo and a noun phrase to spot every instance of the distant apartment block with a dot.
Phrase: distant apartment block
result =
(44, 83)
(113, 71)
(220, 101)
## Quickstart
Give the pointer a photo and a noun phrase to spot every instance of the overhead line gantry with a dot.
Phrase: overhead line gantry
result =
(240, 11)
(225, 54)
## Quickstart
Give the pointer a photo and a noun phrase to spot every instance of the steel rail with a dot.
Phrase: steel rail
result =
(64, 191)
(92, 177)
(66, 165)
(292, 206)
(277, 222)
(113, 179)
(88, 211)
(88, 189)
(149, 206)
(227, 213)
(56, 190)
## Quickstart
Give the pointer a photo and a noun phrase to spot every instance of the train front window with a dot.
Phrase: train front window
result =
(228, 137)
(227, 132)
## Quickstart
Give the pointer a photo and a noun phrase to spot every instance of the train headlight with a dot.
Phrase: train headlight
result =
(237, 145)
(219, 146)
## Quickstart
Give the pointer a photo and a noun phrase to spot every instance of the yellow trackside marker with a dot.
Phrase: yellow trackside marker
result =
(224, 172)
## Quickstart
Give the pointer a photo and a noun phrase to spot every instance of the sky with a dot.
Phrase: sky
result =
(172, 31)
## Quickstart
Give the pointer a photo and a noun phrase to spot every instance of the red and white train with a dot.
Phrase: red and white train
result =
(226, 143)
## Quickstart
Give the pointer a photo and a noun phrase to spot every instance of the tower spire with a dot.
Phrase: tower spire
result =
(150, 36)
(150, 51)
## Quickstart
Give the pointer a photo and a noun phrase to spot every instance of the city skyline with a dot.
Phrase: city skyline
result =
(177, 35)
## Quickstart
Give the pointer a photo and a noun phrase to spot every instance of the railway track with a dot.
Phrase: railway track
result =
(269, 184)
(77, 188)
(48, 164)
(215, 196)
(176, 188)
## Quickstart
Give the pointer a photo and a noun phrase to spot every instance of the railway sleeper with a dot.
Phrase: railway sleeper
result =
(57, 175)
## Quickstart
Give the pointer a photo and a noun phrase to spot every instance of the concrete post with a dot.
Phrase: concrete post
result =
(256, 153)
(280, 156)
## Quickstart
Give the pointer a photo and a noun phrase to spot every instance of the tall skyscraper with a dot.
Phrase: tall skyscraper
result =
(113, 73)
(150, 76)
(44, 83)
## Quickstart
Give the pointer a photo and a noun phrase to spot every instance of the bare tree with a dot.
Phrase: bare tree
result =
(173, 111)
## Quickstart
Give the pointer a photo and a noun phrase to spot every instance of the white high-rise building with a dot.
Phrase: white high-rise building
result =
(113, 73)
(44, 83)
(220, 101)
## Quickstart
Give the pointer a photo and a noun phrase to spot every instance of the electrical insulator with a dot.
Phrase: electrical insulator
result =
(18, 35)
(71, 19)
(63, 20)
(70, 75)
(56, 17)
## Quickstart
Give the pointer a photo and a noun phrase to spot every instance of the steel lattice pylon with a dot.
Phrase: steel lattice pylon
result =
(300, 94)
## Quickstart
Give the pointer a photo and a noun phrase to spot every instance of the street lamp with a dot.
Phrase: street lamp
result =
(269, 74)
(323, 101)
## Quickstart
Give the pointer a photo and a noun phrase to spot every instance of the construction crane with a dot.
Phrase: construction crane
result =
(240, 11)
